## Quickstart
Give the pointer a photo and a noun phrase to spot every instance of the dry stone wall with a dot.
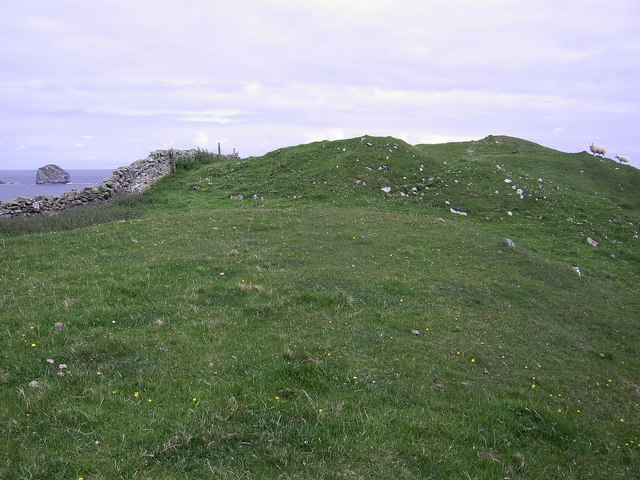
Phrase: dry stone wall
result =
(134, 178)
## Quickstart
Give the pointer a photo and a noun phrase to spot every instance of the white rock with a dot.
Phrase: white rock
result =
(577, 270)
(507, 180)
(457, 212)
(386, 189)
(592, 242)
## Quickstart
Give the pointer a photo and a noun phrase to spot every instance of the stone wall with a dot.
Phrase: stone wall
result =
(134, 178)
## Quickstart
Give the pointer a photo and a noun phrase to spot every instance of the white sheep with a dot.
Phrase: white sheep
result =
(622, 158)
(597, 149)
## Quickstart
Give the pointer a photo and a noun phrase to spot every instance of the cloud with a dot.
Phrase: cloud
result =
(201, 139)
(263, 74)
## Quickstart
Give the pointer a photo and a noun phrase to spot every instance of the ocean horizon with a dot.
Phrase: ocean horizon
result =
(23, 183)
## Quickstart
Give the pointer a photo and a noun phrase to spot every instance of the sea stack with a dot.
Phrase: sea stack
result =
(52, 174)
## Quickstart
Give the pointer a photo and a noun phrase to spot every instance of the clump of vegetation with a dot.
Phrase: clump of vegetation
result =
(200, 158)
(121, 208)
(327, 328)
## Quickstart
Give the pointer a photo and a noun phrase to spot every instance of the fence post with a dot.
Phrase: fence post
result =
(172, 161)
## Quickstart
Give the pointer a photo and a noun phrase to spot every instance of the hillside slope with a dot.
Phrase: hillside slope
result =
(328, 328)
(550, 200)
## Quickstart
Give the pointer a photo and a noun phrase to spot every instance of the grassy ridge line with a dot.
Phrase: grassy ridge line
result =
(261, 348)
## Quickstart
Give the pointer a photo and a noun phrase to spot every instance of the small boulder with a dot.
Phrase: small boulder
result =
(52, 174)
(458, 212)
(592, 242)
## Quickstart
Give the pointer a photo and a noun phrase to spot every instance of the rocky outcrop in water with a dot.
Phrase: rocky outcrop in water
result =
(52, 174)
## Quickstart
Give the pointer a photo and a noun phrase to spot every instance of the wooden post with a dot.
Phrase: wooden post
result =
(218, 148)
(172, 161)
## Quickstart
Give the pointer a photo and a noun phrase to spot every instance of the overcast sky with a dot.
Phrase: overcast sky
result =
(99, 84)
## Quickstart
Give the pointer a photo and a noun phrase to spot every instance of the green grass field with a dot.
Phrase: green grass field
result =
(327, 328)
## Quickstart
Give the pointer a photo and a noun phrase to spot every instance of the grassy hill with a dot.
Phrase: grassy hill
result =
(324, 327)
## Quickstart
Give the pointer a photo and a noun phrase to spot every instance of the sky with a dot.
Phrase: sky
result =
(100, 84)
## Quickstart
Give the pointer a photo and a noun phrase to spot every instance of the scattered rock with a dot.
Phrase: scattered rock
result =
(415, 332)
(60, 374)
(458, 212)
(60, 325)
(602, 355)
(592, 242)
(62, 366)
(509, 243)
(52, 174)
(33, 384)
(577, 270)
(50, 361)
(386, 189)
(237, 197)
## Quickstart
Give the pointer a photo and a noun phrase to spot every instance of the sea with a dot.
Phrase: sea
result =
(23, 183)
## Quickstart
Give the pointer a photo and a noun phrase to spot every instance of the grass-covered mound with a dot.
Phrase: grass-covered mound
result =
(327, 328)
